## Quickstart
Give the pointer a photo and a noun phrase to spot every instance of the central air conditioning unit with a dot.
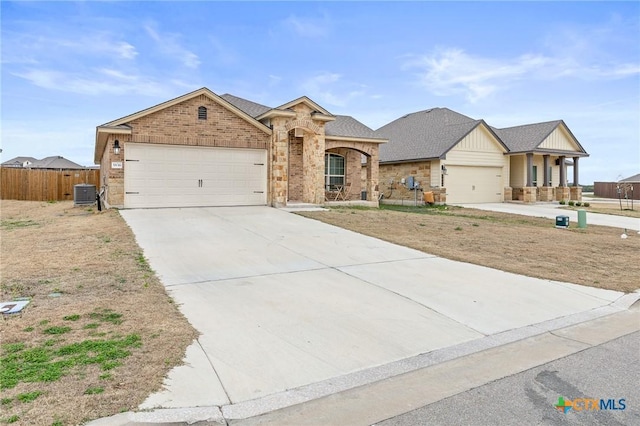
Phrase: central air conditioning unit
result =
(84, 194)
(298, 132)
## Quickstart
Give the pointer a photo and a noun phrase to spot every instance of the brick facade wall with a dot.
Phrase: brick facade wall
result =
(179, 125)
(295, 171)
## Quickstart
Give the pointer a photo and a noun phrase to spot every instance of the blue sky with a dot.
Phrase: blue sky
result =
(70, 66)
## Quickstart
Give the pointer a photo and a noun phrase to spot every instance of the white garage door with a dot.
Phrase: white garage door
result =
(180, 176)
(466, 184)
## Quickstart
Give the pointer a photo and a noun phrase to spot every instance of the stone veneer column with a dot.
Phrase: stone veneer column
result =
(279, 156)
(373, 176)
(313, 168)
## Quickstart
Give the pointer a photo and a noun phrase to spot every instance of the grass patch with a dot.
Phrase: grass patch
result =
(28, 396)
(94, 391)
(74, 317)
(107, 315)
(91, 326)
(12, 419)
(46, 364)
(57, 330)
(13, 224)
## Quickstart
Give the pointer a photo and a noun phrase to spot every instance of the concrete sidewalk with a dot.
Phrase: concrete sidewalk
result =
(291, 310)
(551, 210)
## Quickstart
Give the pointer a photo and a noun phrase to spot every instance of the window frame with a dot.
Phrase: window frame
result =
(332, 180)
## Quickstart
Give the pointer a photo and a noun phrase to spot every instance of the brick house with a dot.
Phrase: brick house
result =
(463, 160)
(201, 149)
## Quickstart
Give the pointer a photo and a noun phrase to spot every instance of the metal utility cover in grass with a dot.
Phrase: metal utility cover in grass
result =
(12, 308)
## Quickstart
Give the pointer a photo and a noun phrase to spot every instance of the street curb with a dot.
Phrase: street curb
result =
(566, 328)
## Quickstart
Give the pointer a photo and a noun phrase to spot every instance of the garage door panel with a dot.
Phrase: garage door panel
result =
(179, 176)
(466, 184)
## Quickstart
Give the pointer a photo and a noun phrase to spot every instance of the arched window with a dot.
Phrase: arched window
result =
(333, 170)
(202, 113)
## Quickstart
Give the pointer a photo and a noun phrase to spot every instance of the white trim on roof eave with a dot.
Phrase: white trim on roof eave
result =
(355, 139)
(276, 113)
(308, 102)
(413, 160)
(540, 151)
(322, 117)
(114, 130)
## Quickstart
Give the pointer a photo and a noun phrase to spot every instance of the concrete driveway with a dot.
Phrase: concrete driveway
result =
(551, 210)
(283, 302)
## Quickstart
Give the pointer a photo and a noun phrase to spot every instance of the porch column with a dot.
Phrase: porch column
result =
(575, 171)
(563, 172)
(545, 162)
(529, 169)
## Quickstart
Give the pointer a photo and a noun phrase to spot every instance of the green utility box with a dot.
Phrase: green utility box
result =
(562, 221)
(582, 218)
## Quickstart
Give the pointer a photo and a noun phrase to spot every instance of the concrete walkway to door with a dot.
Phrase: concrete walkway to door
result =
(290, 309)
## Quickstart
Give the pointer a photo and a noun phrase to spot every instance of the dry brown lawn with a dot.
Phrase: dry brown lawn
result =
(595, 256)
(106, 292)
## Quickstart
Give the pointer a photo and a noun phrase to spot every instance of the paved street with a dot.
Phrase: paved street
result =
(611, 370)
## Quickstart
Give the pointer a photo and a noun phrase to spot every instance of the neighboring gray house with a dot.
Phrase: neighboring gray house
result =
(54, 162)
(632, 179)
(19, 162)
(463, 160)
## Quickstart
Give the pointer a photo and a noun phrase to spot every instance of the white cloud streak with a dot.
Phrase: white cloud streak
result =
(323, 88)
(308, 27)
(103, 81)
(453, 71)
(169, 45)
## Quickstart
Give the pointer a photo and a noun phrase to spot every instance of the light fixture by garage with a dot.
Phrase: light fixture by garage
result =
(116, 147)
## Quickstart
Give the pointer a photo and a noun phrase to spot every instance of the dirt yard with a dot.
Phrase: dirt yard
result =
(595, 256)
(99, 334)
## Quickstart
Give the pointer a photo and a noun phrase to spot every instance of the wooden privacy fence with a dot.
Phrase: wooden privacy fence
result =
(610, 190)
(44, 185)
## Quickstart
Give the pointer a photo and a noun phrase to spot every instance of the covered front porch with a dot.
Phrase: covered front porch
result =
(543, 177)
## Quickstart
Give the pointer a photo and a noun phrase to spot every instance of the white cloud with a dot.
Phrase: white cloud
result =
(99, 82)
(21, 48)
(169, 44)
(453, 71)
(323, 88)
(308, 27)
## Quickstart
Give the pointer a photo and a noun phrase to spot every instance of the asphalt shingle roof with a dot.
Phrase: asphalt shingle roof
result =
(248, 107)
(423, 134)
(634, 178)
(527, 137)
(18, 161)
(53, 162)
(345, 125)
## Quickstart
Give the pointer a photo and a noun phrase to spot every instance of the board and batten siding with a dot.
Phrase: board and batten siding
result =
(518, 171)
(478, 148)
(559, 139)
